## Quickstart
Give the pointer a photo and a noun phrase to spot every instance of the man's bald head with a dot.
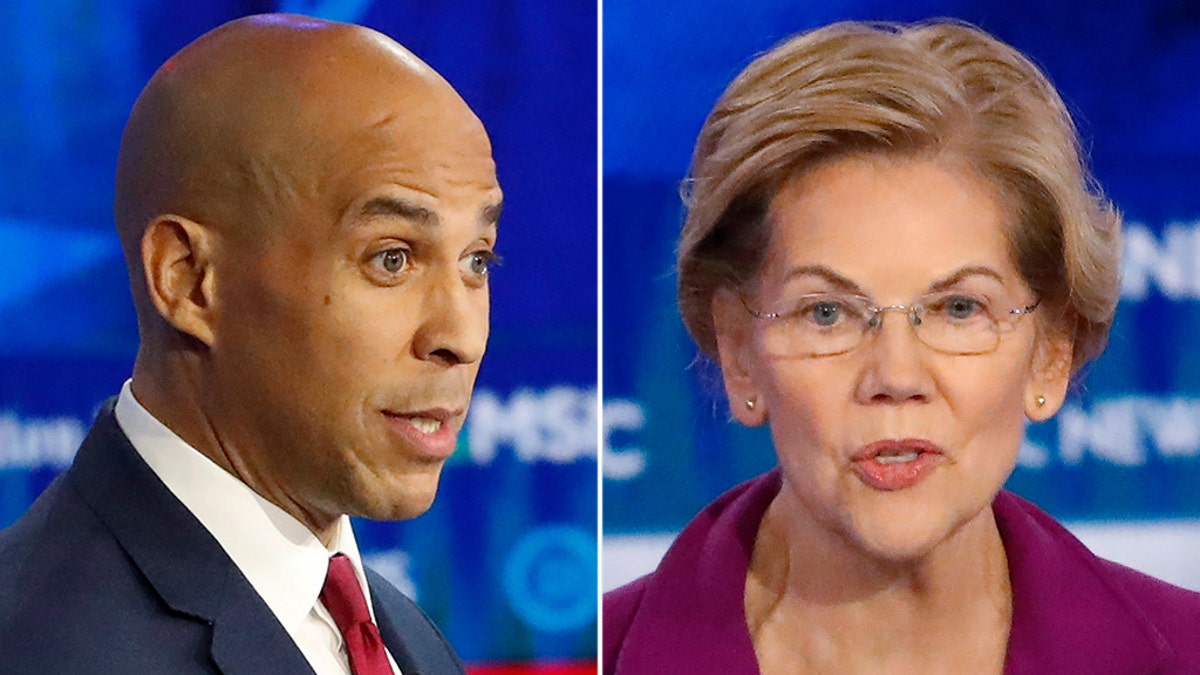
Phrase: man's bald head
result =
(240, 122)
(309, 215)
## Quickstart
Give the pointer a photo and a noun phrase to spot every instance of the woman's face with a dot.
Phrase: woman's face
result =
(891, 446)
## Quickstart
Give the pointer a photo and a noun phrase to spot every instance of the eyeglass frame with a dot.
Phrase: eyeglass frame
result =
(913, 309)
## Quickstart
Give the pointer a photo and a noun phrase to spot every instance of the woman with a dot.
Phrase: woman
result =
(892, 252)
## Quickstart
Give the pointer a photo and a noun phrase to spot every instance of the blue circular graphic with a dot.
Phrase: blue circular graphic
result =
(550, 578)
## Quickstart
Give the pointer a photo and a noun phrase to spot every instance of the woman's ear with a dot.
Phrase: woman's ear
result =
(735, 350)
(1050, 376)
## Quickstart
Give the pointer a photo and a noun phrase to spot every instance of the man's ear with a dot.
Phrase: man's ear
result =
(731, 324)
(1050, 376)
(177, 257)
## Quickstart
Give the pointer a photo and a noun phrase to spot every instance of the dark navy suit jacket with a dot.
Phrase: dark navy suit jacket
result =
(109, 573)
(1073, 613)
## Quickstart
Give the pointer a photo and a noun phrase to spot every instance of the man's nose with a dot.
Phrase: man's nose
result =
(454, 328)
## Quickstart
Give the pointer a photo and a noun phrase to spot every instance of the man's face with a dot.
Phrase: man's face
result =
(349, 333)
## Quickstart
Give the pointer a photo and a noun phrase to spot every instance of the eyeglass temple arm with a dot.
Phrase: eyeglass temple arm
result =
(1026, 309)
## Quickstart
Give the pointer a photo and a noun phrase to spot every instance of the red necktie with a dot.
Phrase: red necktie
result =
(343, 597)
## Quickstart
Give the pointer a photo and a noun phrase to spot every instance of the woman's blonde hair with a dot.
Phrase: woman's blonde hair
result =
(934, 88)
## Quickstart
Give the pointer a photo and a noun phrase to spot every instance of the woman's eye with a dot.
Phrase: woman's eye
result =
(479, 263)
(392, 260)
(959, 307)
(823, 312)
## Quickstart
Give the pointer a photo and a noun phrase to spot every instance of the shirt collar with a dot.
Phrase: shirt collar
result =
(284, 562)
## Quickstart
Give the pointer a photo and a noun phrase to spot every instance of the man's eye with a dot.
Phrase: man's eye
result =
(480, 263)
(392, 260)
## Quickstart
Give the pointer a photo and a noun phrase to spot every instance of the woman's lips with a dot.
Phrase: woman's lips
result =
(896, 464)
(430, 432)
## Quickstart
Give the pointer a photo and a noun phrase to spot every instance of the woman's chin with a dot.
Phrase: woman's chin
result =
(891, 528)
(902, 548)
(907, 538)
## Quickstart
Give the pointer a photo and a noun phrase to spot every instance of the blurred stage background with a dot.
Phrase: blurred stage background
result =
(1121, 462)
(505, 562)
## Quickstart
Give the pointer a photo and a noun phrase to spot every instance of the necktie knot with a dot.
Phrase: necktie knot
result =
(343, 597)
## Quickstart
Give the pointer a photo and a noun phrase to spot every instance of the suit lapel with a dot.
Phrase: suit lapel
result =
(390, 627)
(182, 562)
(417, 645)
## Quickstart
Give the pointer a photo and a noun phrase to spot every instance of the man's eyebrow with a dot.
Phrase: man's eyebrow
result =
(410, 210)
(490, 214)
(396, 206)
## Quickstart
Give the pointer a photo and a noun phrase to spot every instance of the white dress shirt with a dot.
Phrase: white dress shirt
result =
(278, 555)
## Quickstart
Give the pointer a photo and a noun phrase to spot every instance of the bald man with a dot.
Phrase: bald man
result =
(308, 213)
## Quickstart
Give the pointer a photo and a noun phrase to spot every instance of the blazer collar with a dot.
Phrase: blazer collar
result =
(186, 567)
(1069, 616)
(1069, 613)
(692, 615)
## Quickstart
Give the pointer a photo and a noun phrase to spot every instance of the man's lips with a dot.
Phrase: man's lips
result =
(896, 464)
(432, 431)
(441, 414)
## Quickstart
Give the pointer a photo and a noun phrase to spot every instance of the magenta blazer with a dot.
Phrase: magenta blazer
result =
(1072, 612)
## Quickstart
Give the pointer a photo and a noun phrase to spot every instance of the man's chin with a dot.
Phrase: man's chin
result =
(400, 499)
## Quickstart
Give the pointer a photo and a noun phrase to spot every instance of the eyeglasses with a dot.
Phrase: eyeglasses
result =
(827, 324)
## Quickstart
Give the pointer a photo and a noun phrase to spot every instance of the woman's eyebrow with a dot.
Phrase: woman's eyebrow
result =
(962, 273)
(834, 279)
(845, 285)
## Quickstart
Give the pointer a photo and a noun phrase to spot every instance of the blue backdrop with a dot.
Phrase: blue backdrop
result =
(505, 561)
(1127, 447)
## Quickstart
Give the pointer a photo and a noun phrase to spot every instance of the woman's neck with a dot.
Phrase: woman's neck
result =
(815, 601)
